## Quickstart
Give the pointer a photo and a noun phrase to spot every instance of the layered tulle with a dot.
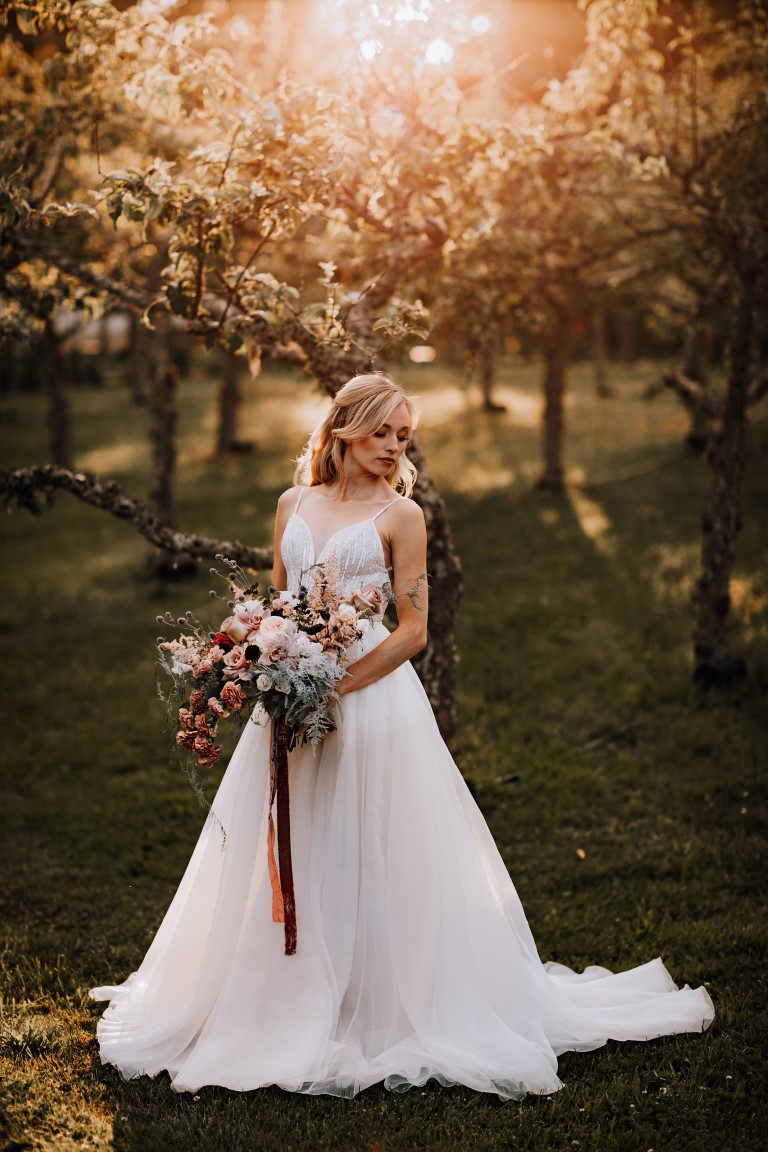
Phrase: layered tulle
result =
(415, 959)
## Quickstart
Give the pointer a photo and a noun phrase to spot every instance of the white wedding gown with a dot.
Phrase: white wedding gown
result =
(414, 960)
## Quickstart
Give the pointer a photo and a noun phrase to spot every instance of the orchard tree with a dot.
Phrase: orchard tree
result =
(562, 228)
(716, 150)
(235, 180)
(701, 119)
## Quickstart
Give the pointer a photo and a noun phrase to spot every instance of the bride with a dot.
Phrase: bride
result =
(415, 959)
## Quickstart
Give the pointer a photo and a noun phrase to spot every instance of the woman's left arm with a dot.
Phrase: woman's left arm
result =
(408, 546)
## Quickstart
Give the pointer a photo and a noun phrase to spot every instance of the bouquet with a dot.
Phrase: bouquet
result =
(280, 654)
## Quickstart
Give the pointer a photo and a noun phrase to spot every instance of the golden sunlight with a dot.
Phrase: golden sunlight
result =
(379, 22)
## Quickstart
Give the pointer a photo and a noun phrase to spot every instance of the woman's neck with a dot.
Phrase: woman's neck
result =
(365, 489)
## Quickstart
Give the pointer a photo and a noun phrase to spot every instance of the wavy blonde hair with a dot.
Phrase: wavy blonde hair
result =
(359, 409)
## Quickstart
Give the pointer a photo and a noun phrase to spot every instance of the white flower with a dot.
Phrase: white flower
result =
(263, 682)
(304, 647)
(254, 608)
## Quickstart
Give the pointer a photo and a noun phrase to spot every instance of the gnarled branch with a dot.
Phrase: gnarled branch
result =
(757, 389)
(692, 394)
(26, 485)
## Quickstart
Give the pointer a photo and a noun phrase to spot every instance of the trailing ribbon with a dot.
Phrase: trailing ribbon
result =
(283, 902)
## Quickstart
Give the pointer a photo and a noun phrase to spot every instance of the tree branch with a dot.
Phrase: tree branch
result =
(757, 389)
(24, 485)
(691, 393)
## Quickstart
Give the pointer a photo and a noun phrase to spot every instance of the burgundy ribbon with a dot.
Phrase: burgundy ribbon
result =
(283, 902)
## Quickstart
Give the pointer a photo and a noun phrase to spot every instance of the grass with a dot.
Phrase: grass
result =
(629, 808)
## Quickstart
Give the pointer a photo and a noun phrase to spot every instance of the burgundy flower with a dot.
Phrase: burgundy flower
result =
(223, 641)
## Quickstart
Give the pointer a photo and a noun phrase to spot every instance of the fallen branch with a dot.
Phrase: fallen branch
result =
(26, 485)
(611, 737)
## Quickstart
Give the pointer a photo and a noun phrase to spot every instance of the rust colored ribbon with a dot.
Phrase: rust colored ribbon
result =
(283, 902)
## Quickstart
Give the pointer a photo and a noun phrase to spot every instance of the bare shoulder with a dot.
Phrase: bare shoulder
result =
(406, 515)
(289, 494)
(287, 499)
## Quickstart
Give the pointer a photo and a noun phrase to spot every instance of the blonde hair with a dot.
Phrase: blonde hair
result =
(359, 409)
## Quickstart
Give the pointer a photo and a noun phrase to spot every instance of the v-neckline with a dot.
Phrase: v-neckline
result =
(317, 556)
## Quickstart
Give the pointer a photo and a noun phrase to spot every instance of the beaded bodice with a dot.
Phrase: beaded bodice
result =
(356, 549)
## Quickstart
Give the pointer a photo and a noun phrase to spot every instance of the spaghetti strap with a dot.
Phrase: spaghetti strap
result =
(301, 493)
(385, 508)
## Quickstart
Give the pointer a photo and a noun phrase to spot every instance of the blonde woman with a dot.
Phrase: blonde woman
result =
(414, 959)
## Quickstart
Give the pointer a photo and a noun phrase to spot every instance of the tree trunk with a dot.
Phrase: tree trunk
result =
(59, 404)
(694, 367)
(714, 661)
(436, 665)
(164, 418)
(600, 351)
(627, 334)
(487, 358)
(555, 347)
(140, 361)
(229, 397)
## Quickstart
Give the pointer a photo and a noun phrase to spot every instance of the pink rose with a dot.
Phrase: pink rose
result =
(284, 604)
(217, 708)
(186, 719)
(273, 633)
(368, 600)
(236, 627)
(235, 660)
(186, 739)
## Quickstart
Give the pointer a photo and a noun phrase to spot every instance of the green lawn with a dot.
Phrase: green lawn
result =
(634, 824)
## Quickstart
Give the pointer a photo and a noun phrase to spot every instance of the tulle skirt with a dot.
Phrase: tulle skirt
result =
(414, 960)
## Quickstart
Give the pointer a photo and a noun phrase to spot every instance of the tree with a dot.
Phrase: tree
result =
(235, 181)
(705, 123)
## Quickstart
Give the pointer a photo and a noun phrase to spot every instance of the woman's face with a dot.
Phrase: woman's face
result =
(378, 453)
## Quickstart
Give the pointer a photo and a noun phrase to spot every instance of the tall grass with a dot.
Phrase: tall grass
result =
(630, 808)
